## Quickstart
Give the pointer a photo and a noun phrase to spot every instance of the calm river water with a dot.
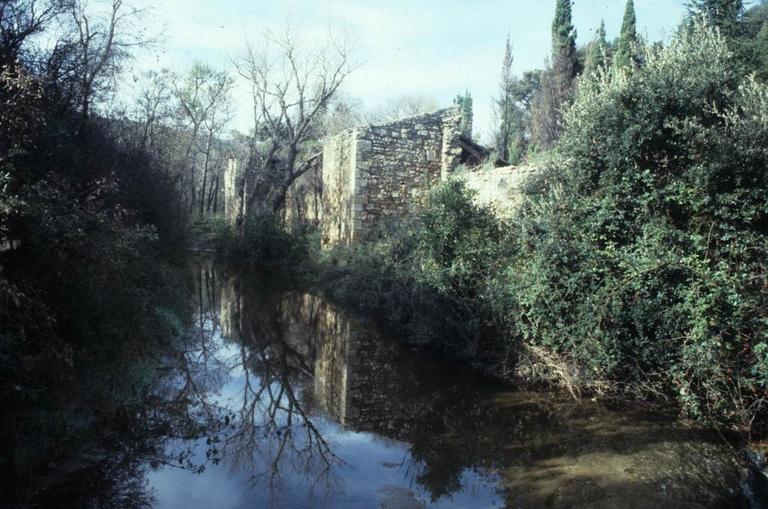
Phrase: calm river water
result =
(281, 399)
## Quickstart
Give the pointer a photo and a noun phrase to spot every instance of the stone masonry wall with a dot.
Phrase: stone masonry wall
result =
(232, 175)
(375, 175)
(338, 188)
(398, 163)
(498, 188)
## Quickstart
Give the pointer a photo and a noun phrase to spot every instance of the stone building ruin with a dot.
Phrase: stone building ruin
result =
(372, 177)
(375, 175)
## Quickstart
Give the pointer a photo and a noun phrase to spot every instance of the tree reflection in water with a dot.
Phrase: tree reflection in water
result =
(261, 425)
(298, 371)
(286, 394)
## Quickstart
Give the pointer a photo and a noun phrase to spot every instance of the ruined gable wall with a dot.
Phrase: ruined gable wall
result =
(338, 182)
(374, 175)
(399, 162)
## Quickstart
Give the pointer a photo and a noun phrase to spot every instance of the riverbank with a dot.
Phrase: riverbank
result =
(379, 422)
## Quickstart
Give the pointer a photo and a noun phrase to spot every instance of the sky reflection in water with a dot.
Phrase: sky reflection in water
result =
(306, 395)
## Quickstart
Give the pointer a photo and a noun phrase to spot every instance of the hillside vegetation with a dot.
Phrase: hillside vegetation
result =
(636, 264)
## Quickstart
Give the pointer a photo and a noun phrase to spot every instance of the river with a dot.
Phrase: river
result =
(278, 398)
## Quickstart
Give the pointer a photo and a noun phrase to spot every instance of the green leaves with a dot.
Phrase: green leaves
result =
(645, 258)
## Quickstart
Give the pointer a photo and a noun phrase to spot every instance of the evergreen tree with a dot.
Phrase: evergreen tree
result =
(724, 14)
(564, 60)
(512, 109)
(597, 52)
(626, 48)
(563, 32)
(505, 105)
(557, 83)
(464, 102)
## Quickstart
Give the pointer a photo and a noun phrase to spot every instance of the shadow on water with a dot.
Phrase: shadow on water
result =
(282, 399)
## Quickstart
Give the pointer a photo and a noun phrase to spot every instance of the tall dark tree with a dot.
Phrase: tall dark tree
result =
(504, 105)
(464, 102)
(724, 14)
(557, 83)
(746, 30)
(626, 48)
(563, 32)
(598, 52)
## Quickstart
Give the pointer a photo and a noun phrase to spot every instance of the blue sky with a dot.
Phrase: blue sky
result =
(432, 48)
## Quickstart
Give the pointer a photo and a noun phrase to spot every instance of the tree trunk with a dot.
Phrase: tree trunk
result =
(206, 159)
(214, 194)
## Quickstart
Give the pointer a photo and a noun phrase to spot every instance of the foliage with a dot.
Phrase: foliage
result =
(636, 264)
(512, 109)
(90, 286)
(723, 14)
(504, 107)
(643, 255)
(426, 281)
(464, 102)
(261, 242)
(598, 53)
(746, 31)
(627, 46)
(557, 82)
(563, 32)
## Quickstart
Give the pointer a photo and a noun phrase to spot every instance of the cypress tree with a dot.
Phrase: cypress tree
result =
(724, 14)
(505, 105)
(563, 33)
(464, 102)
(597, 53)
(557, 83)
(626, 48)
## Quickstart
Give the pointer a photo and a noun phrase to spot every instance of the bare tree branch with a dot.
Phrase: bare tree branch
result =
(292, 88)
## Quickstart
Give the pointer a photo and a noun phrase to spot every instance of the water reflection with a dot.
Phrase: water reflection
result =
(281, 399)
(316, 409)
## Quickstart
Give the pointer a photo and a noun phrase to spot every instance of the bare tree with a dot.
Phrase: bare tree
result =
(204, 100)
(292, 88)
(400, 107)
(154, 105)
(343, 113)
(21, 19)
(101, 41)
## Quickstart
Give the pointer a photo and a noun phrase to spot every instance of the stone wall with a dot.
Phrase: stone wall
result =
(375, 175)
(232, 202)
(398, 163)
(339, 170)
(498, 188)
(372, 177)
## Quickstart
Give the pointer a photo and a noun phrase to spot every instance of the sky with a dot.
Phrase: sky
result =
(429, 48)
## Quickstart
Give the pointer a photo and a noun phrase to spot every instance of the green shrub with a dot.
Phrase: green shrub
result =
(642, 252)
(262, 241)
(427, 279)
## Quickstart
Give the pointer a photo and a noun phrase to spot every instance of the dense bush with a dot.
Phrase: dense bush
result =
(642, 252)
(426, 280)
(93, 290)
(637, 262)
(263, 242)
